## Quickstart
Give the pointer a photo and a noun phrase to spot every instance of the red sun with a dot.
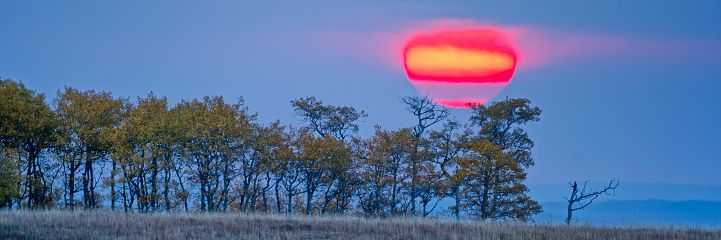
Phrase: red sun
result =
(454, 60)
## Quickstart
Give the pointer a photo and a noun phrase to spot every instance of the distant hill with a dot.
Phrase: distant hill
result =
(638, 212)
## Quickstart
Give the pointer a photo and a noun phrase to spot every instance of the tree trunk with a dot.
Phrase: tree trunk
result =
(277, 196)
(166, 190)
(570, 211)
(290, 202)
(182, 188)
(71, 185)
(309, 198)
(86, 181)
(154, 184)
(484, 201)
(456, 194)
(571, 200)
(112, 187)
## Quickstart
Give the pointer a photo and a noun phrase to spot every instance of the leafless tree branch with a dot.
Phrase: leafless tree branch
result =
(578, 197)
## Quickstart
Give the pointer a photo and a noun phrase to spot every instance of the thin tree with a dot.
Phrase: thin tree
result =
(330, 123)
(578, 197)
(448, 145)
(427, 113)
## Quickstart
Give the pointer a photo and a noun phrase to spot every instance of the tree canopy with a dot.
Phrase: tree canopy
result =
(93, 150)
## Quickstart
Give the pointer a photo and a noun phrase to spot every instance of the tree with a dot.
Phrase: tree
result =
(328, 119)
(254, 164)
(211, 131)
(430, 188)
(385, 171)
(269, 145)
(500, 123)
(290, 166)
(140, 153)
(86, 124)
(335, 122)
(9, 177)
(427, 113)
(577, 197)
(497, 158)
(448, 145)
(322, 159)
(209, 155)
(493, 182)
(28, 123)
(162, 134)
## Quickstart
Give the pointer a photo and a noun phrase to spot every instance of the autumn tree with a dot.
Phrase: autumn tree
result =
(269, 146)
(500, 123)
(86, 123)
(28, 124)
(426, 113)
(384, 172)
(211, 155)
(163, 136)
(322, 159)
(289, 171)
(449, 143)
(493, 184)
(142, 154)
(9, 177)
(211, 131)
(255, 166)
(325, 120)
(580, 197)
(430, 187)
(328, 122)
(495, 163)
(340, 180)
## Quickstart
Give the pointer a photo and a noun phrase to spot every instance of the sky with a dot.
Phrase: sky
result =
(629, 89)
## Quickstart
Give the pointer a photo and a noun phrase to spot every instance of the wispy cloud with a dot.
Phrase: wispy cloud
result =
(537, 46)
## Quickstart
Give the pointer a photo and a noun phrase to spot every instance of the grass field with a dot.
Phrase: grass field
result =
(108, 225)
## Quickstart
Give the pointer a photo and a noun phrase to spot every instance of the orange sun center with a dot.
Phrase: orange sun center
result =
(461, 56)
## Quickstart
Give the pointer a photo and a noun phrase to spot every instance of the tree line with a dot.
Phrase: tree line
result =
(92, 150)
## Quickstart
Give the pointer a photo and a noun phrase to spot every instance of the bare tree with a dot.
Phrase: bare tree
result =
(427, 113)
(578, 197)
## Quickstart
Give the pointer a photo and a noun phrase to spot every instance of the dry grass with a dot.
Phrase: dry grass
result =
(107, 225)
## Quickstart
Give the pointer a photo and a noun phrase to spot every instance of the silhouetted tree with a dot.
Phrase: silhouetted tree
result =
(578, 196)
(426, 113)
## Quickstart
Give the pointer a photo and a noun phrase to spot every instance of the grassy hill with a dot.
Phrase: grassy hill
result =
(109, 225)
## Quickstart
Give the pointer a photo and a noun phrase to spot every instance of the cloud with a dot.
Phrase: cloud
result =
(538, 47)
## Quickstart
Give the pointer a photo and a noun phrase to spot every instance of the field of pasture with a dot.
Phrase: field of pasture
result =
(115, 225)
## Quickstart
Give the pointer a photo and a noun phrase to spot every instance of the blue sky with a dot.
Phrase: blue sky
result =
(646, 114)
